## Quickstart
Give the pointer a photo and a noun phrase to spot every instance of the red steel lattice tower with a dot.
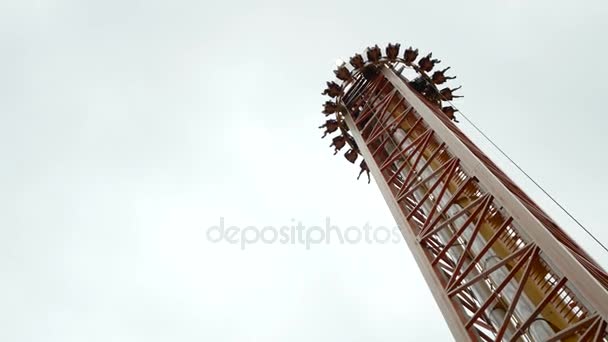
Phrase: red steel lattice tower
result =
(499, 268)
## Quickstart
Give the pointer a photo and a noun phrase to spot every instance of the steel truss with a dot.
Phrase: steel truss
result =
(495, 269)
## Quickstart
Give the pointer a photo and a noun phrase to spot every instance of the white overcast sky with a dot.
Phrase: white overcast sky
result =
(127, 128)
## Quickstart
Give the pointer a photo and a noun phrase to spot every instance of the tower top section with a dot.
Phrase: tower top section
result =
(427, 81)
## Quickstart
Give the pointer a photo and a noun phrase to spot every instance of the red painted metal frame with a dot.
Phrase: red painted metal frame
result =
(455, 275)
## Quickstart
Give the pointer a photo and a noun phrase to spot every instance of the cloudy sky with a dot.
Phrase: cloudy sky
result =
(128, 128)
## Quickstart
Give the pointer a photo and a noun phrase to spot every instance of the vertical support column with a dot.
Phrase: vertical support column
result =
(453, 223)
(451, 314)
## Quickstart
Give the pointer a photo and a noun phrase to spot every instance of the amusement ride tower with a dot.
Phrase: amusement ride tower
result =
(498, 266)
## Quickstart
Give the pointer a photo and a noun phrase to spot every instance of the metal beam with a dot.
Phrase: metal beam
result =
(450, 313)
(581, 280)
